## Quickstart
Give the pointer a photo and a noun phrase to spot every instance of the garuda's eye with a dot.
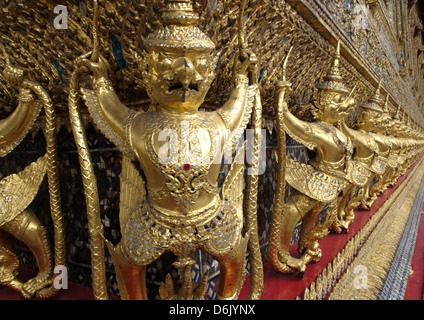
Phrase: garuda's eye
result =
(202, 63)
(164, 61)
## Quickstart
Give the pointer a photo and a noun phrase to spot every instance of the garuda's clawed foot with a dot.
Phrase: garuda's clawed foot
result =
(295, 263)
(365, 205)
(8, 279)
(338, 226)
(32, 286)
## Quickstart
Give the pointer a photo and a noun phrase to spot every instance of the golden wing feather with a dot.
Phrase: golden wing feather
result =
(17, 191)
(133, 190)
(313, 183)
(232, 189)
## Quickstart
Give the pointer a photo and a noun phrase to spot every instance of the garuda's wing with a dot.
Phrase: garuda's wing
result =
(133, 190)
(96, 114)
(17, 191)
(313, 183)
(232, 189)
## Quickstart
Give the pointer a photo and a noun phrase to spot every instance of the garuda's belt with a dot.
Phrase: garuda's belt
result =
(151, 231)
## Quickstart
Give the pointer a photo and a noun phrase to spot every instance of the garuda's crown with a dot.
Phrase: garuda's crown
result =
(375, 102)
(333, 80)
(179, 29)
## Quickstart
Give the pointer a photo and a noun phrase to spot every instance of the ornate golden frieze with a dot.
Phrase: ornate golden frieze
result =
(376, 65)
(310, 26)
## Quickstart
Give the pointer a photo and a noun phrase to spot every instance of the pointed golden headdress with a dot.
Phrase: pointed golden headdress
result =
(386, 105)
(333, 80)
(397, 114)
(179, 29)
(374, 102)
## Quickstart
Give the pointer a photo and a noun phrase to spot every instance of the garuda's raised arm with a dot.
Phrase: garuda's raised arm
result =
(299, 130)
(235, 113)
(108, 112)
(14, 128)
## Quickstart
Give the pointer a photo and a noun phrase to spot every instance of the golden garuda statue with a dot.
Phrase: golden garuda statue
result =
(176, 206)
(366, 157)
(360, 174)
(317, 184)
(371, 119)
(17, 191)
(394, 160)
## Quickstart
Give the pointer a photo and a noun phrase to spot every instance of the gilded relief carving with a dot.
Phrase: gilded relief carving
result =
(174, 85)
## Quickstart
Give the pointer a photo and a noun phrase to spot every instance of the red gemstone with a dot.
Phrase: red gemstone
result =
(186, 166)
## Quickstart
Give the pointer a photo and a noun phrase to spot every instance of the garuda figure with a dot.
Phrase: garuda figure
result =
(178, 208)
(371, 120)
(404, 159)
(366, 152)
(17, 191)
(360, 174)
(394, 161)
(317, 184)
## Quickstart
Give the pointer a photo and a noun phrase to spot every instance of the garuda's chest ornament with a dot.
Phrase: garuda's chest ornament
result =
(185, 159)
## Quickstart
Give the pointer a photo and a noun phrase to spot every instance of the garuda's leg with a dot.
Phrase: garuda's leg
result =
(352, 204)
(9, 264)
(376, 189)
(310, 232)
(387, 179)
(342, 221)
(232, 271)
(28, 229)
(131, 278)
(298, 207)
(366, 199)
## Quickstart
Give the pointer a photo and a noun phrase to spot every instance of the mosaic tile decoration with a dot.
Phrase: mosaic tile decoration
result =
(397, 278)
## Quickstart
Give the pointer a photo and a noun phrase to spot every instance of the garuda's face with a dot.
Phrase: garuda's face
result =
(332, 106)
(396, 128)
(390, 126)
(384, 124)
(180, 79)
(369, 121)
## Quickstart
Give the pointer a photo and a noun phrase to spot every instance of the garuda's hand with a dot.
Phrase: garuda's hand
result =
(14, 76)
(99, 68)
(245, 63)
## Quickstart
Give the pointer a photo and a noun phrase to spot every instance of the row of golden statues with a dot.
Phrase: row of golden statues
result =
(177, 206)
